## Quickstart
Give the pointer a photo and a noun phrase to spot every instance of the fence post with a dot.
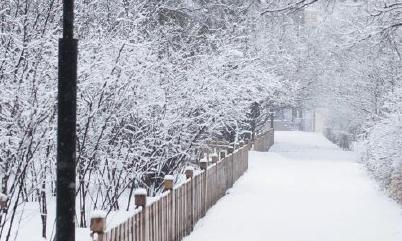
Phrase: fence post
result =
(213, 192)
(140, 197)
(98, 225)
(230, 149)
(189, 171)
(204, 164)
(168, 183)
(222, 154)
(232, 158)
(234, 161)
(214, 158)
(246, 156)
(246, 143)
(3, 202)
(256, 143)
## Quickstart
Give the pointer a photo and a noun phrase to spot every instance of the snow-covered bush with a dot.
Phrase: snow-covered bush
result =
(383, 152)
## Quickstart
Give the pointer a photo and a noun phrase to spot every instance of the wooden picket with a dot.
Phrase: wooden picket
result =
(264, 140)
(174, 214)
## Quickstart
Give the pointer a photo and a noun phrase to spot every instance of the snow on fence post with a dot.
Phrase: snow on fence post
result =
(168, 183)
(214, 158)
(203, 164)
(205, 153)
(140, 197)
(98, 225)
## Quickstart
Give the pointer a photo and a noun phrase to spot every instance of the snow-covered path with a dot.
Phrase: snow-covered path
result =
(304, 189)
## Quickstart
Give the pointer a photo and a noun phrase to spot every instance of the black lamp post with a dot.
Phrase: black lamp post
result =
(272, 115)
(66, 129)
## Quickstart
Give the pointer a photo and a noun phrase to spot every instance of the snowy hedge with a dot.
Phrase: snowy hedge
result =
(383, 152)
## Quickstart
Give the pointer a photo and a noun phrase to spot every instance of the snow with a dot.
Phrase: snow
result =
(98, 214)
(180, 179)
(115, 218)
(169, 177)
(235, 53)
(189, 168)
(304, 189)
(140, 191)
(3, 197)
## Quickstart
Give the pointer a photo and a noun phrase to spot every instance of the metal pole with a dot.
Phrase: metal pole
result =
(272, 120)
(66, 129)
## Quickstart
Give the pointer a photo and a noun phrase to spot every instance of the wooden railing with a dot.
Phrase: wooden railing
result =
(264, 140)
(174, 214)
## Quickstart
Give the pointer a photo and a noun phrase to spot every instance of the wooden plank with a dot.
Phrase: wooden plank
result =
(153, 217)
(144, 226)
(151, 223)
(132, 230)
(121, 232)
(139, 227)
(112, 234)
(136, 235)
(116, 234)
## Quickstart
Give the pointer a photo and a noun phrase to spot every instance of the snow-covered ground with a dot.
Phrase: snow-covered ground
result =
(304, 189)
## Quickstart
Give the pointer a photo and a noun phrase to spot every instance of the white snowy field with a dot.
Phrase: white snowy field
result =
(304, 189)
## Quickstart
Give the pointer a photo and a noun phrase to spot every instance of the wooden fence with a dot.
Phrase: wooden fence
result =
(264, 140)
(177, 210)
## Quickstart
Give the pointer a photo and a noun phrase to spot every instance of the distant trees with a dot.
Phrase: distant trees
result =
(354, 67)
